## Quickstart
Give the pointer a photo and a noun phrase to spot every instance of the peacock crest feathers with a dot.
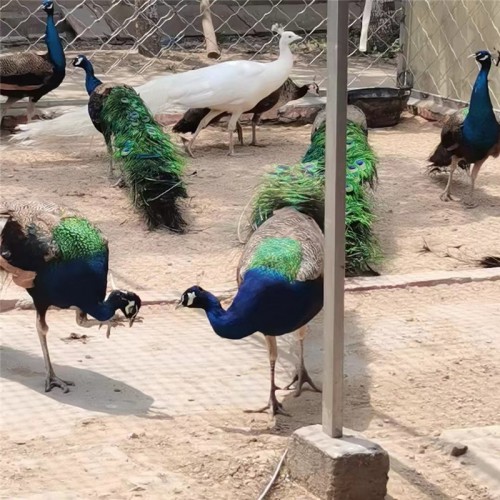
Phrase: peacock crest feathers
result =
(152, 165)
(281, 255)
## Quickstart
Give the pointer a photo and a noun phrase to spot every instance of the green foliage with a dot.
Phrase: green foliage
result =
(77, 238)
(283, 255)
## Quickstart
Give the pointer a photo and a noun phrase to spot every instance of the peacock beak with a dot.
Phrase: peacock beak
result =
(179, 304)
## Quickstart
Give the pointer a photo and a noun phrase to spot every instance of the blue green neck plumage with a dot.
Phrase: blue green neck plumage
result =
(91, 81)
(480, 127)
(54, 45)
(266, 302)
(226, 324)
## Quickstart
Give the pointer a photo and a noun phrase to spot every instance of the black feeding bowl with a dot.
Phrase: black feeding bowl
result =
(381, 105)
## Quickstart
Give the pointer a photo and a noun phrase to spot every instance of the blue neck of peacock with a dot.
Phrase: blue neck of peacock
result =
(91, 81)
(480, 108)
(54, 45)
(226, 324)
(102, 311)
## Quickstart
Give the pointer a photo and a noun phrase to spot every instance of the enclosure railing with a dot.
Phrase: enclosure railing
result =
(438, 36)
(174, 30)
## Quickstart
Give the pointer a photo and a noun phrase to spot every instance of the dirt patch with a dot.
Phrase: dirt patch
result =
(409, 211)
(149, 417)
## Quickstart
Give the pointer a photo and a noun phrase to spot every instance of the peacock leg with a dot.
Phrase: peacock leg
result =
(5, 106)
(203, 123)
(239, 129)
(30, 110)
(469, 201)
(301, 376)
(446, 194)
(231, 128)
(273, 404)
(51, 380)
(255, 122)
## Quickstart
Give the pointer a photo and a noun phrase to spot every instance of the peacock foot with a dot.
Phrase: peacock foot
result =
(446, 196)
(52, 381)
(257, 145)
(274, 405)
(120, 183)
(187, 146)
(301, 378)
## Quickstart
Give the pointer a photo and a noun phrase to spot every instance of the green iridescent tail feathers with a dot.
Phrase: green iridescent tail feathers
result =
(302, 186)
(151, 164)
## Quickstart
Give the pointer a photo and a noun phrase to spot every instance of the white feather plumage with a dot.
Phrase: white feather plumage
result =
(232, 86)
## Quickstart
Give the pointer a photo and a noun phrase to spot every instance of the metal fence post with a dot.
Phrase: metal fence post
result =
(337, 50)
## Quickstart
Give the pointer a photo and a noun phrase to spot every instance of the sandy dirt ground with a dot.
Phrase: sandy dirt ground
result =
(407, 205)
(417, 362)
(157, 411)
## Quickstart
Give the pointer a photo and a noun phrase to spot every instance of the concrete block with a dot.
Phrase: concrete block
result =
(349, 468)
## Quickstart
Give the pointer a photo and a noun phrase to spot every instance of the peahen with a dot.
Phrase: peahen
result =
(302, 186)
(229, 87)
(470, 135)
(289, 91)
(62, 260)
(151, 165)
(33, 75)
(280, 289)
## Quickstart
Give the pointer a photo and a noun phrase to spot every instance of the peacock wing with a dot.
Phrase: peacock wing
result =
(26, 71)
(269, 102)
(212, 87)
(451, 133)
(288, 224)
(26, 241)
(96, 103)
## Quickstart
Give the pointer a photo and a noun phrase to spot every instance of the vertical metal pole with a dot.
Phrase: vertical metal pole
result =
(404, 53)
(335, 169)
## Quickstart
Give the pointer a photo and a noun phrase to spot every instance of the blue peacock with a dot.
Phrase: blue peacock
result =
(280, 289)
(61, 259)
(151, 165)
(33, 75)
(470, 135)
(280, 274)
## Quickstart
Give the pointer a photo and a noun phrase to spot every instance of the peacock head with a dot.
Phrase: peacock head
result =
(288, 37)
(313, 88)
(48, 6)
(80, 61)
(193, 297)
(483, 58)
(129, 303)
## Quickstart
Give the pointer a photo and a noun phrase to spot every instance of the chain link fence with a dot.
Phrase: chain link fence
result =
(133, 40)
(143, 37)
(438, 36)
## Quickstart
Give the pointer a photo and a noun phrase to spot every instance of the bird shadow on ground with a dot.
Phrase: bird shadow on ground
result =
(92, 392)
(359, 412)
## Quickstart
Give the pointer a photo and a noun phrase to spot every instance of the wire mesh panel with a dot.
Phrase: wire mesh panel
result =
(439, 38)
(170, 32)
